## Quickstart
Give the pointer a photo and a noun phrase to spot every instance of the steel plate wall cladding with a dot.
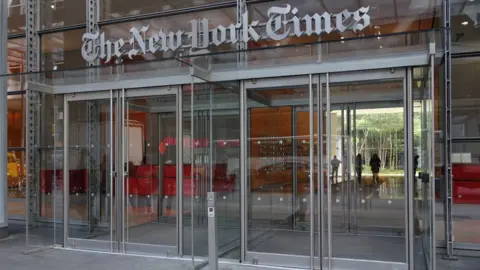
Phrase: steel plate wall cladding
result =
(310, 122)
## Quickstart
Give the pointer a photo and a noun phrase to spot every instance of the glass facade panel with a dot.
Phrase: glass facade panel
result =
(16, 120)
(112, 9)
(465, 26)
(16, 184)
(466, 192)
(465, 97)
(16, 62)
(62, 50)
(59, 13)
(16, 16)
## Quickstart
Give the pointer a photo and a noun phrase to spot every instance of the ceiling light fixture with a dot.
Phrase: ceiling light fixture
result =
(52, 6)
(465, 23)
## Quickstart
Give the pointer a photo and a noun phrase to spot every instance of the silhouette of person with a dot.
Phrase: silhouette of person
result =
(335, 165)
(359, 167)
(375, 167)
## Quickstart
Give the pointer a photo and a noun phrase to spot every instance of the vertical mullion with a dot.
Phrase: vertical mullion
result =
(66, 178)
(320, 176)
(179, 178)
(329, 183)
(111, 170)
(125, 143)
(408, 172)
(312, 171)
(243, 172)
(431, 154)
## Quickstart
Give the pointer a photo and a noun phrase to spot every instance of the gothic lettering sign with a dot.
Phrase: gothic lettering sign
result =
(282, 23)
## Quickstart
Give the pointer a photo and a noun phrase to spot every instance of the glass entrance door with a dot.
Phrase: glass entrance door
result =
(366, 168)
(150, 144)
(280, 171)
(120, 166)
(356, 210)
(89, 162)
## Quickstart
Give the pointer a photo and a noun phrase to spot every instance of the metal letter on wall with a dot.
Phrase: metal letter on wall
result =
(145, 40)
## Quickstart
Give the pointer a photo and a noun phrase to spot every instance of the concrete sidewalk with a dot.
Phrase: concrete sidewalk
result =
(12, 258)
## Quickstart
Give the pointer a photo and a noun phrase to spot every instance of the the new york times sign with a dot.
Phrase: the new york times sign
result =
(282, 23)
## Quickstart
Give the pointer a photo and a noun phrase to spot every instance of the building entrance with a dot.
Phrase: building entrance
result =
(324, 170)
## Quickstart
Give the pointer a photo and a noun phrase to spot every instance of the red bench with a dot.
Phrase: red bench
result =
(466, 183)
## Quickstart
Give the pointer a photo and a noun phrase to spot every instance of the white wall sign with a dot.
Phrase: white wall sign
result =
(282, 22)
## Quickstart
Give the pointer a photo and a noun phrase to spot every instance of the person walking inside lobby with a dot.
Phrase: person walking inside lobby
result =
(335, 165)
(359, 168)
(375, 167)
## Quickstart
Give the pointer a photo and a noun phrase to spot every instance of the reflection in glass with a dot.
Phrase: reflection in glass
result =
(62, 50)
(464, 25)
(89, 169)
(16, 177)
(16, 120)
(16, 16)
(127, 8)
(58, 13)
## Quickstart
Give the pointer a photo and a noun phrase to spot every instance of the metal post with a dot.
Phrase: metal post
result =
(93, 122)
(312, 171)
(3, 118)
(320, 176)
(432, 162)
(295, 168)
(192, 169)
(329, 183)
(409, 162)
(112, 173)
(448, 198)
(212, 232)
(243, 172)
(32, 100)
(348, 168)
(342, 158)
(355, 183)
(66, 169)
(180, 166)
(241, 46)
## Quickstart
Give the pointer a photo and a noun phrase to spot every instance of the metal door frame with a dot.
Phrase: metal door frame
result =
(248, 86)
(322, 83)
(400, 74)
(81, 243)
(142, 248)
(117, 241)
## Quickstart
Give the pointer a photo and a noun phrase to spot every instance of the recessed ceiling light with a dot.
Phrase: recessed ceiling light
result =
(465, 23)
(52, 6)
